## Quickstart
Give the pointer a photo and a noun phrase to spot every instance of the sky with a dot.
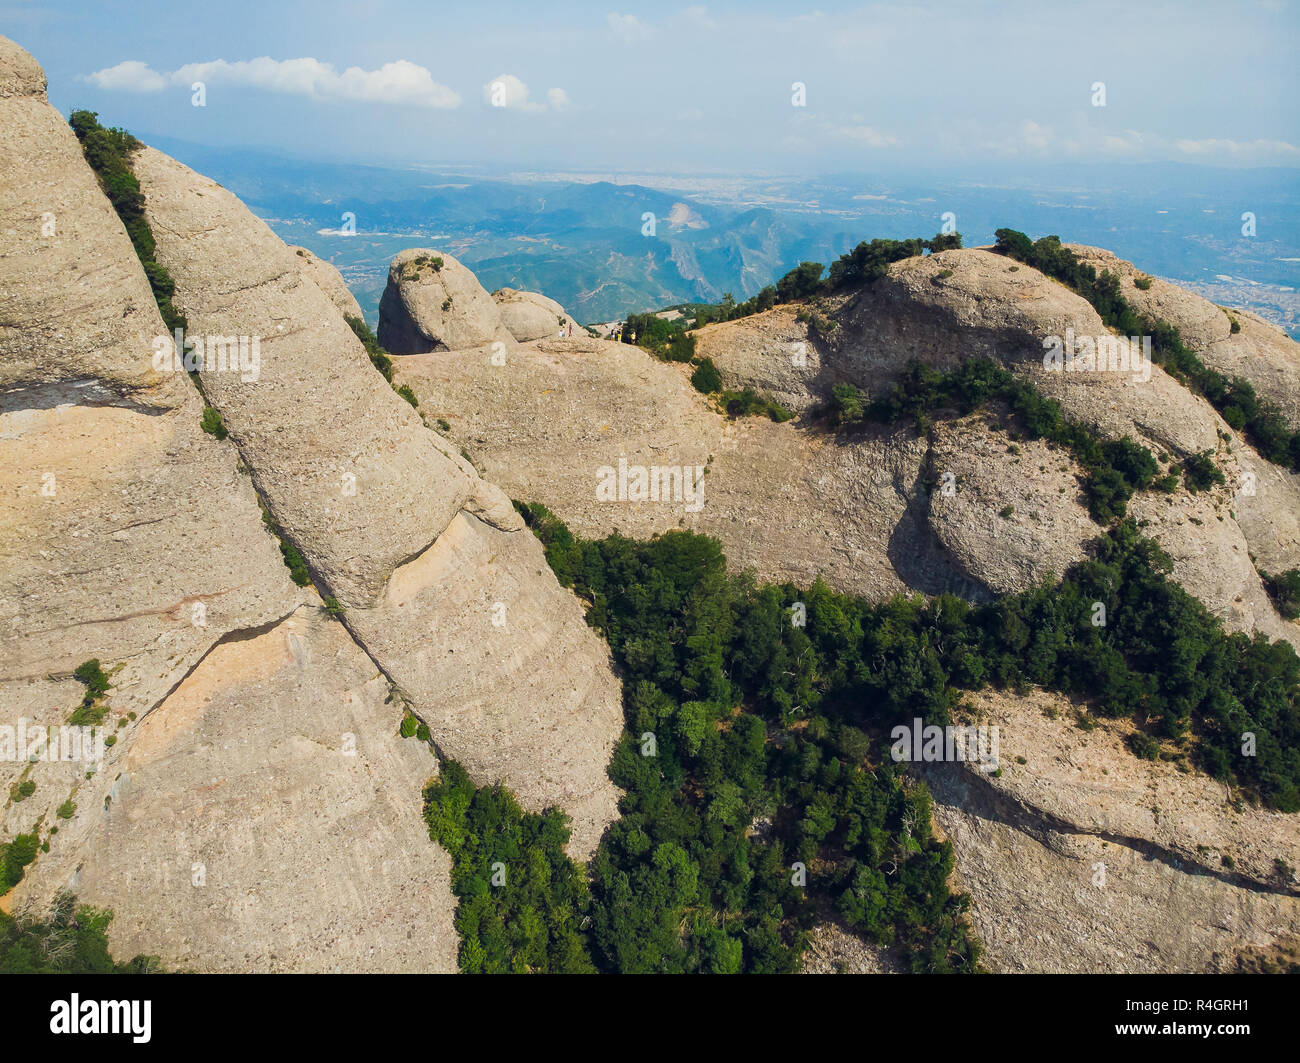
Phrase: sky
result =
(723, 88)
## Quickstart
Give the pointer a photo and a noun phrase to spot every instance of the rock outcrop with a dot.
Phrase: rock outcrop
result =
(223, 826)
(944, 308)
(530, 316)
(437, 577)
(790, 504)
(869, 511)
(1258, 351)
(328, 280)
(433, 303)
(1079, 856)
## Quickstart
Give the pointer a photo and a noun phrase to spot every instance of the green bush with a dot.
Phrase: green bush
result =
(71, 939)
(1143, 746)
(1284, 589)
(93, 677)
(379, 357)
(1201, 473)
(748, 402)
(847, 405)
(294, 562)
(14, 858)
(109, 153)
(212, 422)
(706, 378)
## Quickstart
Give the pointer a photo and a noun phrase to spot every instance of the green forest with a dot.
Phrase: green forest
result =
(739, 716)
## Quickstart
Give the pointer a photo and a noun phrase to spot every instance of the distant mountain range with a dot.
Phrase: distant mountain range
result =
(580, 240)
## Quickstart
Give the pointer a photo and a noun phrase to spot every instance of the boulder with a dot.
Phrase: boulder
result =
(530, 316)
(433, 303)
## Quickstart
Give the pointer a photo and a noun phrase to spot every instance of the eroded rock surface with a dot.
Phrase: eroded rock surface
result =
(328, 280)
(439, 580)
(531, 316)
(133, 537)
(1081, 857)
(433, 303)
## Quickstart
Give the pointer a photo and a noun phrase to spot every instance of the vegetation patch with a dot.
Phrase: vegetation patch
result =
(706, 378)
(748, 403)
(71, 939)
(1113, 470)
(1284, 589)
(1234, 398)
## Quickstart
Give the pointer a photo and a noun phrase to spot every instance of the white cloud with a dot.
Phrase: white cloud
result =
(1131, 143)
(698, 16)
(1035, 137)
(129, 76)
(628, 28)
(865, 134)
(399, 82)
(506, 90)
(1262, 148)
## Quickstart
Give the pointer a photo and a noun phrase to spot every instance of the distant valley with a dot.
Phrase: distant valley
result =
(580, 237)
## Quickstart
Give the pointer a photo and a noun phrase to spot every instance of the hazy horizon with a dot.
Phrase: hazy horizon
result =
(589, 88)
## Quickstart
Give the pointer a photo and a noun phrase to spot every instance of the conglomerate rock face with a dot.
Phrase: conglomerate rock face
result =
(438, 578)
(433, 303)
(225, 825)
(530, 316)
(877, 511)
(328, 280)
(1258, 351)
(872, 511)
(1079, 856)
(258, 810)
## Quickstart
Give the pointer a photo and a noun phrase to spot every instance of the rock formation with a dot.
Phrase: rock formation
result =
(438, 579)
(433, 303)
(225, 826)
(256, 809)
(328, 280)
(530, 316)
(1120, 864)
(794, 501)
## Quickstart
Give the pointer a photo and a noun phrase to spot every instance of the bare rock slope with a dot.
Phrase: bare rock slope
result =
(437, 577)
(1080, 857)
(223, 826)
(869, 511)
(330, 281)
